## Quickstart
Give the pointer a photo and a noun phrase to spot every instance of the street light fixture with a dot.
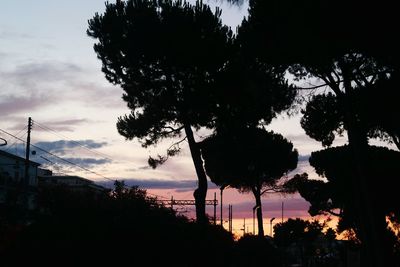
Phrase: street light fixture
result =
(254, 218)
(222, 190)
(270, 229)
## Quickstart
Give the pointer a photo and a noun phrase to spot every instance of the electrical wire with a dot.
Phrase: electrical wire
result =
(43, 127)
(10, 146)
(65, 160)
(62, 159)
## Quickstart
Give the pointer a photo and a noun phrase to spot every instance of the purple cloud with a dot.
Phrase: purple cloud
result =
(11, 104)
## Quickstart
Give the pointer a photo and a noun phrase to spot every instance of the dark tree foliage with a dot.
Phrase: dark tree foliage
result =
(126, 227)
(297, 230)
(250, 160)
(347, 46)
(250, 93)
(164, 55)
(306, 237)
(323, 118)
(324, 115)
(336, 196)
(336, 165)
(317, 192)
(181, 68)
(252, 251)
(313, 32)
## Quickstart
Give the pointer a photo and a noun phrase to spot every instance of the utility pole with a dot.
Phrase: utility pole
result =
(244, 226)
(28, 145)
(222, 219)
(282, 211)
(254, 220)
(215, 208)
(230, 219)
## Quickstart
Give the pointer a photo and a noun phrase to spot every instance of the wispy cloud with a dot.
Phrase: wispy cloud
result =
(34, 85)
(88, 162)
(60, 146)
(62, 125)
(31, 76)
(12, 104)
(7, 35)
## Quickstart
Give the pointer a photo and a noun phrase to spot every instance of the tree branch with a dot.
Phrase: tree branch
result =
(172, 130)
(177, 143)
(276, 189)
(313, 87)
(336, 74)
(334, 213)
(331, 81)
(364, 78)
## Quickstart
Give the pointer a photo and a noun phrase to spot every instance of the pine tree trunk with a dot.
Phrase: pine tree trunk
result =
(201, 192)
(257, 196)
(367, 220)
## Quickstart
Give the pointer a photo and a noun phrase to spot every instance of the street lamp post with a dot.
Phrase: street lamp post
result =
(254, 218)
(270, 228)
(222, 190)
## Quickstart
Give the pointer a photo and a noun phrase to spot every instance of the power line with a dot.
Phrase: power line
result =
(21, 130)
(46, 128)
(65, 160)
(56, 166)
(72, 163)
(55, 132)
(10, 146)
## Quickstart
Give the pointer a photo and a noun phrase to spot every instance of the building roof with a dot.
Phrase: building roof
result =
(61, 178)
(67, 177)
(9, 155)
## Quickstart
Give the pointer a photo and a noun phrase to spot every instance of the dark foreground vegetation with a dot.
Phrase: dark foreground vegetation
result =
(127, 227)
(123, 227)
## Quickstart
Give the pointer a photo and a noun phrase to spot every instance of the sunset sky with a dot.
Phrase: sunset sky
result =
(49, 71)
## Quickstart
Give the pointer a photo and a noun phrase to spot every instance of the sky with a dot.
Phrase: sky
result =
(49, 71)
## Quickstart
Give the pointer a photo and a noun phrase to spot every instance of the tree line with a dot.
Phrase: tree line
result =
(181, 70)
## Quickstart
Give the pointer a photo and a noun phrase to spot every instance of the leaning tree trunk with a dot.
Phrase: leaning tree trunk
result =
(257, 196)
(201, 191)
